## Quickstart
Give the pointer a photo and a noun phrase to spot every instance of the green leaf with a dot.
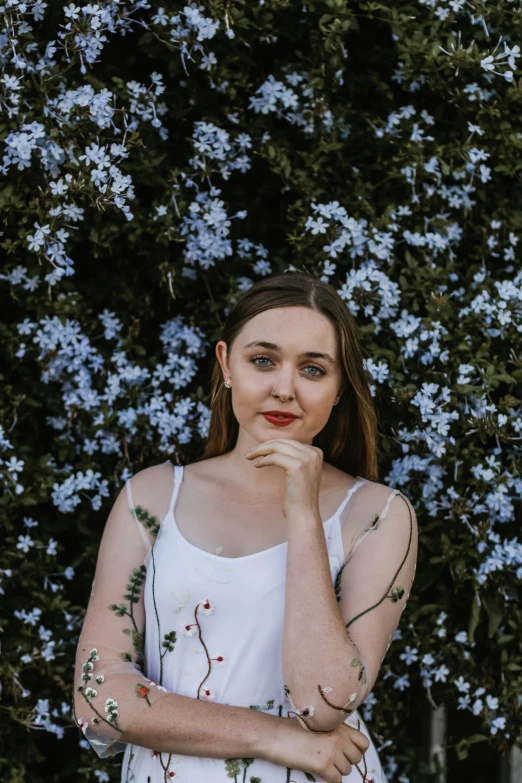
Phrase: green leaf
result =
(474, 617)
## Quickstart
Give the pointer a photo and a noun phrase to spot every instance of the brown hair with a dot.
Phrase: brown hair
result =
(349, 438)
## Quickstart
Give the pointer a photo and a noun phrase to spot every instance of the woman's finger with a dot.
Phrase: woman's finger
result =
(271, 446)
(281, 460)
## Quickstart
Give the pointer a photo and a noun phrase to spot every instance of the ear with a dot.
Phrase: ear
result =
(222, 357)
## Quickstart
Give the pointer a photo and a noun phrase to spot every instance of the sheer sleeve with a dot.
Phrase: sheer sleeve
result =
(110, 689)
(372, 587)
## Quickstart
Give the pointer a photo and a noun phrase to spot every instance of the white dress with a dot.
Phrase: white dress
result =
(213, 625)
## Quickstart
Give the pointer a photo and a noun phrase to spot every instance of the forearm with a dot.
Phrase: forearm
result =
(317, 650)
(193, 727)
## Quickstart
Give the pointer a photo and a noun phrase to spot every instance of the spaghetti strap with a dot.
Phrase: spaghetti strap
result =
(178, 478)
(349, 494)
(362, 535)
(132, 509)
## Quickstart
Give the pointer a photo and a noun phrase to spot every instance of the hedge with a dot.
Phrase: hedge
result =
(159, 160)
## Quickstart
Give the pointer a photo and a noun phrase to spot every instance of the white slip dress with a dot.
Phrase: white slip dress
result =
(228, 617)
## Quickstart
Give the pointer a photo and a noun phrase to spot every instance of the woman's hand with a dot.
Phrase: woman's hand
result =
(303, 467)
(328, 754)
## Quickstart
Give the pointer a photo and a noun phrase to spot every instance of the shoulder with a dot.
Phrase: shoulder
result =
(150, 489)
(385, 493)
(387, 515)
(162, 473)
(378, 503)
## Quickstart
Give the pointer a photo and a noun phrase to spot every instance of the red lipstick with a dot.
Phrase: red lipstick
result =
(279, 418)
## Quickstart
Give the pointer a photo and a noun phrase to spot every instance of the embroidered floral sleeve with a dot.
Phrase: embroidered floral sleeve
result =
(110, 689)
(372, 588)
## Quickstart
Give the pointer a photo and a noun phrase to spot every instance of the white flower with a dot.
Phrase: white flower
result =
(188, 629)
(402, 682)
(206, 606)
(219, 659)
(461, 684)
(441, 674)
(159, 687)
(71, 11)
(207, 693)
(497, 723)
(24, 543)
(308, 711)
(409, 655)
(82, 723)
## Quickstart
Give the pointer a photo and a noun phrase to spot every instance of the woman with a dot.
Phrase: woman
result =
(261, 583)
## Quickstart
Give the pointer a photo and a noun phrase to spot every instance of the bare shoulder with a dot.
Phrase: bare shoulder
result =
(155, 477)
(379, 496)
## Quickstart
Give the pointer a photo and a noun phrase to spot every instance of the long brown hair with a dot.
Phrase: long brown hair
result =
(349, 438)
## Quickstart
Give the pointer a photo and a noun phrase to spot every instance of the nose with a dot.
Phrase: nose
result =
(283, 388)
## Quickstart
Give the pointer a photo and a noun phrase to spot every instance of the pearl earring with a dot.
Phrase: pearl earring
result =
(228, 382)
(336, 400)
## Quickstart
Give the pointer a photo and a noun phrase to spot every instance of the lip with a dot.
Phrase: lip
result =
(279, 422)
(286, 414)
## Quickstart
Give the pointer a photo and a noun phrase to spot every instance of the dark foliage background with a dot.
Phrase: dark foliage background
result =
(158, 160)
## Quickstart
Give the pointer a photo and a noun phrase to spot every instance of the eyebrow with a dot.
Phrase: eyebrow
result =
(305, 355)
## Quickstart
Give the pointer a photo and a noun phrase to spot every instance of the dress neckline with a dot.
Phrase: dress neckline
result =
(248, 505)
(177, 484)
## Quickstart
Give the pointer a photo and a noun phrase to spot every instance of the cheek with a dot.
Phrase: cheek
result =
(249, 393)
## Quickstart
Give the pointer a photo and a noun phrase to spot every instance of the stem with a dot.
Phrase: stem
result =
(156, 611)
(395, 576)
(204, 645)
(89, 702)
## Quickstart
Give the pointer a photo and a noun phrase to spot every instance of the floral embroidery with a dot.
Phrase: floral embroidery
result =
(233, 770)
(362, 673)
(146, 519)
(169, 639)
(143, 692)
(133, 596)
(396, 594)
(82, 723)
(183, 601)
(159, 687)
(236, 768)
(207, 693)
(90, 693)
(268, 706)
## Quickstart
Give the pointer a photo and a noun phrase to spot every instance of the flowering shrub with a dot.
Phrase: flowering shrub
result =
(157, 160)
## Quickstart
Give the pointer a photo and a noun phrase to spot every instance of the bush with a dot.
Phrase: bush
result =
(157, 161)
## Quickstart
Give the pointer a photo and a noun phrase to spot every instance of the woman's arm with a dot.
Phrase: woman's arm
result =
(114, 702)
(192, 727)
(335, 638)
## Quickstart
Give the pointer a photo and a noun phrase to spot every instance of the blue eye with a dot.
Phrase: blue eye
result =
(312, 375)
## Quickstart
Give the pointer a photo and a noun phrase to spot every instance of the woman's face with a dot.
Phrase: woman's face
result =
(303, 385)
